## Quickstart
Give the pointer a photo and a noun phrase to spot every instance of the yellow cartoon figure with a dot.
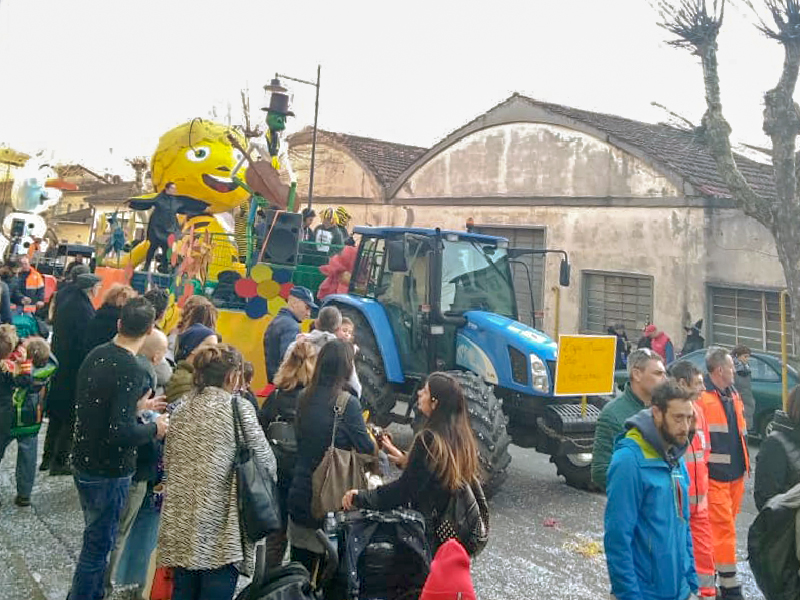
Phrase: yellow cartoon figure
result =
(191, 170)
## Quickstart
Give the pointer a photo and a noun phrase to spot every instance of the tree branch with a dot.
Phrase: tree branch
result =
(697, 29)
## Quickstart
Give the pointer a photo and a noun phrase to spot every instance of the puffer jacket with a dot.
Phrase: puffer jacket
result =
(778, 460)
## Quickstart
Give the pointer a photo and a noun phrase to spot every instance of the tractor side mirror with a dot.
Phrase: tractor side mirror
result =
(563, 276)
(396, 259)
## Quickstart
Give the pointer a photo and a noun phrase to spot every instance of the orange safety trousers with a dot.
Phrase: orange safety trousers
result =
(724, 502)
(703, 546)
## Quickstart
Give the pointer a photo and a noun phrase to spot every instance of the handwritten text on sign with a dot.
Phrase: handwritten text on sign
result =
(585, 365)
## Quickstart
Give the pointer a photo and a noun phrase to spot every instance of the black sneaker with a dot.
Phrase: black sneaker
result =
(45, 466)
(22, 501)
(58, 471)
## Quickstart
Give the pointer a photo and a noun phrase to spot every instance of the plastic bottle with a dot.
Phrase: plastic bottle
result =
(331, 530)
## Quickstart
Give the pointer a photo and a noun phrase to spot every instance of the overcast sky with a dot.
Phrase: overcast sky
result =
(82, 77)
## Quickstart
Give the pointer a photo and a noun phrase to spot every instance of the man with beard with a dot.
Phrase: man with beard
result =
(648, 543)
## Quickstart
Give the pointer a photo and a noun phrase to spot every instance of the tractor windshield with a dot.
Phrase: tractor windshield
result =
(476, 276)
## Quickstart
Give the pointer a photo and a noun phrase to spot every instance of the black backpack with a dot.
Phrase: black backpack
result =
(289, 582)
(465, 519)
(771, 547)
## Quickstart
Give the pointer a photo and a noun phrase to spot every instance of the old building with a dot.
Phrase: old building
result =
(650, 229)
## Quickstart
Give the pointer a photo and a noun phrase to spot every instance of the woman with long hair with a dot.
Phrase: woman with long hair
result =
(443, 457)
(293, 376)
(315, 420)
(200, 535)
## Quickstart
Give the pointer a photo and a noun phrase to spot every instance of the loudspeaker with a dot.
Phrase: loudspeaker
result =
(284, 238)
(17, 228)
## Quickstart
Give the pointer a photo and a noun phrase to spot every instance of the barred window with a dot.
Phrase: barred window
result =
(609, 298)
(749, 317)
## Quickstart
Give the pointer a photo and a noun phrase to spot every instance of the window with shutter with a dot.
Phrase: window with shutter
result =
(749, 317)
(610, 298)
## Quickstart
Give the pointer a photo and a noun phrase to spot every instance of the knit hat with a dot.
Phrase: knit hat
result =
(191, 339)
(79, 269)
(85, 281)
(449, 578)
(650, 329)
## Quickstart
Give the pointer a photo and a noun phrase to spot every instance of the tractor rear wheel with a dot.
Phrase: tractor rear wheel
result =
(376, 395)
(489, 425)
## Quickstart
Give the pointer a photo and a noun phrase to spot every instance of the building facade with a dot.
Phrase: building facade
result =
(650, 229)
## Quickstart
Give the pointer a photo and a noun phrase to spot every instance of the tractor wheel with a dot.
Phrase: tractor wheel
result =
(576, 469)
(377, 395)
(489, 425)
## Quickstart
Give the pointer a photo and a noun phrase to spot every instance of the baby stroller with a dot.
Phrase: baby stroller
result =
(383, 555)
(369, 556)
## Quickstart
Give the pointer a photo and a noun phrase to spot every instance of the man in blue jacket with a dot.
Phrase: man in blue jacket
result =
(284, 328)
(647, 541)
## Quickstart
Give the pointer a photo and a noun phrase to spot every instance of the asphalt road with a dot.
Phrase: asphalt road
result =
(546, 538)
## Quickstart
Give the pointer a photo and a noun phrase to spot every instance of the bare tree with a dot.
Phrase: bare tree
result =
(696, 25)
(139, 165)
(249, 129)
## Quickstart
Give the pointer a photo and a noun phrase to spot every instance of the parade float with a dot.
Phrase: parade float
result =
(36, 187)
(224, 188)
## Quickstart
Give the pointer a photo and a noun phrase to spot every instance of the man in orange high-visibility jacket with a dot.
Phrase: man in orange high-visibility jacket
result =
(696, 459)
(728, 464)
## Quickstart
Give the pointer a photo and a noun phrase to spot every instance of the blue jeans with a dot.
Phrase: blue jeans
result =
(26, 462)
(214, 584)
(102, 500)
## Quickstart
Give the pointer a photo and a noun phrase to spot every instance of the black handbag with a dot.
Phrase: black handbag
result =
(256, 494)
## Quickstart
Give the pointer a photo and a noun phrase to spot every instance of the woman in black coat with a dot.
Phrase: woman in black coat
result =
(778, 461)
(75, 310)
(103, 326)
(315, 427)
(293, 376)
(442, 459)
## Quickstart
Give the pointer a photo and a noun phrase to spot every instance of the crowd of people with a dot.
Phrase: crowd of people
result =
(143, 420)
(671, 452)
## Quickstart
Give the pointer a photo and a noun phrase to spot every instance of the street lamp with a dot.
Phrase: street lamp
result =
(275, 86)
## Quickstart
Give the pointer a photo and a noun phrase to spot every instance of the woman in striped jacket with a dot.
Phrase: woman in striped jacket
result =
(200, 536)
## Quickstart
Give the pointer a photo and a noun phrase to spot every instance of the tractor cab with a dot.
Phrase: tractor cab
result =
(426, 280)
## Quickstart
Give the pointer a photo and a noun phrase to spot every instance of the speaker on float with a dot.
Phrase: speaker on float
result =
(283, 241)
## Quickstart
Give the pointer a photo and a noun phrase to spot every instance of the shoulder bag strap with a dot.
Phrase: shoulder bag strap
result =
(338, 410)
(237, 425)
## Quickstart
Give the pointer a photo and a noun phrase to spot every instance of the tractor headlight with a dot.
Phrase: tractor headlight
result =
(541, 380)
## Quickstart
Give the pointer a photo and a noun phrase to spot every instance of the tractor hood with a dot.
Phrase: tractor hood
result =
(506, 353)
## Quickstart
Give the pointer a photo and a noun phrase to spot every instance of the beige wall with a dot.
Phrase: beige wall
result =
(336, 173)
(534, 159)
(73, 233)
(741, 250)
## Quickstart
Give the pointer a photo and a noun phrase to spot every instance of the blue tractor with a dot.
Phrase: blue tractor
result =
(426, 300)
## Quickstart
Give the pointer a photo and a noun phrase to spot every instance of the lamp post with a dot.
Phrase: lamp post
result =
(278, 76)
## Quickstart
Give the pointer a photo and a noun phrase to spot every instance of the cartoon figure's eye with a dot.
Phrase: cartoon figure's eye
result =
(198, 153)
(237, 156)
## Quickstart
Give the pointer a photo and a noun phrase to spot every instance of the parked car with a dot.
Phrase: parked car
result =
(766, 379)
